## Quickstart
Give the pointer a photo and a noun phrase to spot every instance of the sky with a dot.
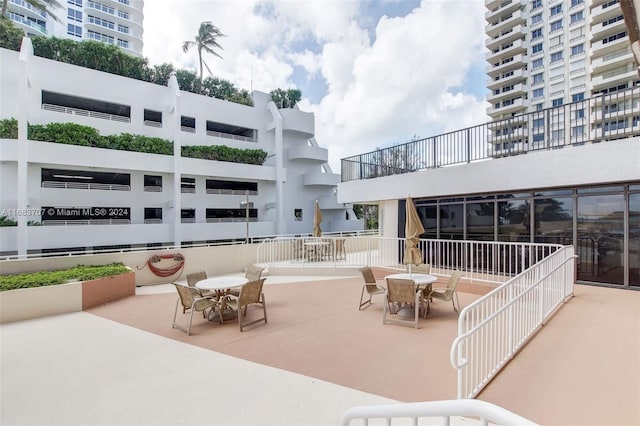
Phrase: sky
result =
(375, 73)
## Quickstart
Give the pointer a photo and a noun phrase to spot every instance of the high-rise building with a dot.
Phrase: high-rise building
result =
(117, 22)
(546, 54)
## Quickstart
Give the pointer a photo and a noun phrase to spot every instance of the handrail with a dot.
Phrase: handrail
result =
(515, 135)
(486, 411)
(502, 321)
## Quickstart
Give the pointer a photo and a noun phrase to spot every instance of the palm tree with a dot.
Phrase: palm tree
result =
(207, 40)
(44, 5)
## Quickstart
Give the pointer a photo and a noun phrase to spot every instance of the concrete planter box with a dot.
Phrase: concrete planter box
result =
(28, 303)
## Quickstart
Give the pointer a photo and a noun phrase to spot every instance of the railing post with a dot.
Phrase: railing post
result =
(602, 116)
(468, 145)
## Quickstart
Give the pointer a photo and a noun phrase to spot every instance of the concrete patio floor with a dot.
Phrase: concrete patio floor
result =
(122, 363)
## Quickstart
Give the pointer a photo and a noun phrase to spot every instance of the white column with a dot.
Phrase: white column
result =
(174, 121)
(26, 52)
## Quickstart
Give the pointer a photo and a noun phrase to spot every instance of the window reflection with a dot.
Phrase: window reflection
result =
(514, 222)
(634, 239)
(554, 220)
(451, 222)
(480, 221)
(601, 238)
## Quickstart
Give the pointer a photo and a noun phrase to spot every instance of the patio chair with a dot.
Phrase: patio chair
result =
(253, 272)
(424, 268)
(250, 294)
(403, 293)
(192, 303)
(448, 293)
(193, 278)
(370, 286)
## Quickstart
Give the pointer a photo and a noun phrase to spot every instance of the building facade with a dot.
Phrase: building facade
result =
(116, 22)
(95, 199)
(544, 54)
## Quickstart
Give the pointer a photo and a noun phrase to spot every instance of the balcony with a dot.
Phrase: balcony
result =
(493, 29)
(509, 77)
(506, 65)
(611, 61)
(321, 179)
(517, 105)
(497, 8)
(507, 50)
(517, 89)
(306, 152)
(296, 121)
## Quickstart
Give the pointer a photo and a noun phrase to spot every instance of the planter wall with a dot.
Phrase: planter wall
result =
(108, 289)
(28, 303)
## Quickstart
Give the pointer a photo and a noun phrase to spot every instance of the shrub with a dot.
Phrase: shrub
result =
(46, 278)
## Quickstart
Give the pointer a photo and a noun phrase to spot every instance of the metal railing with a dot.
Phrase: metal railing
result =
(600, 118)
(488, 261)
(492, 329)
(86, 113)
(485, 411)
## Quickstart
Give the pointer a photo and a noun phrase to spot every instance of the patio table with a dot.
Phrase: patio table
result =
(220, 285)
(423, 283)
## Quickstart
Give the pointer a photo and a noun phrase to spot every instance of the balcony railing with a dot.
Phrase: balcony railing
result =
(502, 138)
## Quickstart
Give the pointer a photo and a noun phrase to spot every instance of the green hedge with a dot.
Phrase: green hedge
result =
(76, 134)
(41, 279)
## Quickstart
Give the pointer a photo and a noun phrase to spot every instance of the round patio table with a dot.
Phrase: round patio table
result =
(220, 285)
(423, 282)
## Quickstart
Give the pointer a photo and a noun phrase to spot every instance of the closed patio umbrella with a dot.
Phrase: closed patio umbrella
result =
(317, 220)
(412, 230)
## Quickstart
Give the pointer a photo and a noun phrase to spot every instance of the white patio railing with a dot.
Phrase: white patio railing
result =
(492, 329)
(411, 413)
(488, 261)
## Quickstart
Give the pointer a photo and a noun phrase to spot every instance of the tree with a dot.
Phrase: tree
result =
(286, 98)
(44, 5)
(207, 40)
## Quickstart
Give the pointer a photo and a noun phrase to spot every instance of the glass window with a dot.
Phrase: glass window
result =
(538, 92)
(536, 48)
(429, 217)
(188, 216)
(188, 185)
(576, 17)
(480, 221)
(556, 25)
(537, 78)
(556, 102)
(152, 215)
(536, 63)
(557, 56)
(536, 18)
(577, 97)
(514, 222)
(538, 107)
(297, 215)
(556, 9)
(554, 220)
(536, 4)
(152, 183)
(451, 221)
(600, 245)
(536, 34)
(577, 131)
(634, 239)
(575, 50)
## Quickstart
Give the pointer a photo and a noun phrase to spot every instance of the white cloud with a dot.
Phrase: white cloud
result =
(384, 87)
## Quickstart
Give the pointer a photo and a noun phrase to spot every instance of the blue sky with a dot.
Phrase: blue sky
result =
(374, 72)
